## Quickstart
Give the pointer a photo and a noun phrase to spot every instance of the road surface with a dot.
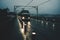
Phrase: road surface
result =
(44, 30)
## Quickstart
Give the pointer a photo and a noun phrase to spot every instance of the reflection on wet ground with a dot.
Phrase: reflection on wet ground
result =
(44, 30)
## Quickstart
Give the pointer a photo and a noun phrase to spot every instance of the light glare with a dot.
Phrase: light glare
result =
(33, 33)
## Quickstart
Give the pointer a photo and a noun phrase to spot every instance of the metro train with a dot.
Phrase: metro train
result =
(25, 20)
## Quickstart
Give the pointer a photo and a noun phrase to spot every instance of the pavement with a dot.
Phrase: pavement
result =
(9, 29)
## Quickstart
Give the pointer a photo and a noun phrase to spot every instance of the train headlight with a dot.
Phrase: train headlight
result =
(23, 17)
(29, 23)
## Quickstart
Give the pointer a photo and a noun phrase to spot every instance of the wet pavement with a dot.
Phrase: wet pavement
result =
(44, 31)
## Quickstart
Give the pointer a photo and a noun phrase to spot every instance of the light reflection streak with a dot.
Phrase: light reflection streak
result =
(53, 26)
(42, 22)
(22, 30)
(46, 23)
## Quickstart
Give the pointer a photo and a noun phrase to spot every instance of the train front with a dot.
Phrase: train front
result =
(24, 18)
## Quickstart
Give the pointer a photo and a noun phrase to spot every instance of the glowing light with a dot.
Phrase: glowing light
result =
(22, 30)
(29, 23)
(53, 25)
(41, 21)
(33, 33)
(28, 17)
(46, 23)
(23, 17)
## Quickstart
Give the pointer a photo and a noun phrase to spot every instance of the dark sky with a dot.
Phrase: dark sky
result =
(50, 7)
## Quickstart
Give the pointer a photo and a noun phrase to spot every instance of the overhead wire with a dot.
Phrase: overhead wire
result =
(30, 2)
(43, 2)
(36, 5)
